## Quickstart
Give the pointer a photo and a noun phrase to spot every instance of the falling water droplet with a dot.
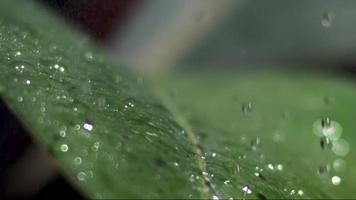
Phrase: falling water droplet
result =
(325, 122)
(247, 108)
(323, 171)
(335, 180)
(327, 19)
(256, 144)
(325, 143)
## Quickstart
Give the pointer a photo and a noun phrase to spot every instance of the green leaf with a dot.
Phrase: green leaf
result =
(114, 136)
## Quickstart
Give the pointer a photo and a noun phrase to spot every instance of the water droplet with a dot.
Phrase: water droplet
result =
(339, 165)
(77, 127)
(61, 69)
(176, 164)
(215, 197)
(256, 144)
(247, 108)
(88, 126)
(28, 82)
(17, 53)
(335, 180)
(300, 192)
(227, 182)
(77, 160)
(326, 127)
(62, 133)
(81, 176)
(341, 147)
(64, 147)
(325, 122)
(270, 166)
(213, 154)
(280, 167)
(96, 146)
(327, 19)
(323, 171)
(20, 99)
(246, 189)
(326, 143)
(89, 56)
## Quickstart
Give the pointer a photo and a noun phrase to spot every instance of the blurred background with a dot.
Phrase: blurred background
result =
(158, 34)
(154, 35)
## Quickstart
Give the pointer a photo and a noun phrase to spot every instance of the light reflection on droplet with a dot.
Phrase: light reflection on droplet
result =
(327, 19)
(77, 160)
(256, 144)
(88, 126)
(270, 166)
(300, 192)
(19, 98)
(215, 197)
(327, 128)
(96, 146)
(28, 82)
(336, 180)
(341, 147)
(246, 189)
(64, 147)
(226, 182)
(62, 133)
(280, 167)
(339, 165)
(81, 176)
